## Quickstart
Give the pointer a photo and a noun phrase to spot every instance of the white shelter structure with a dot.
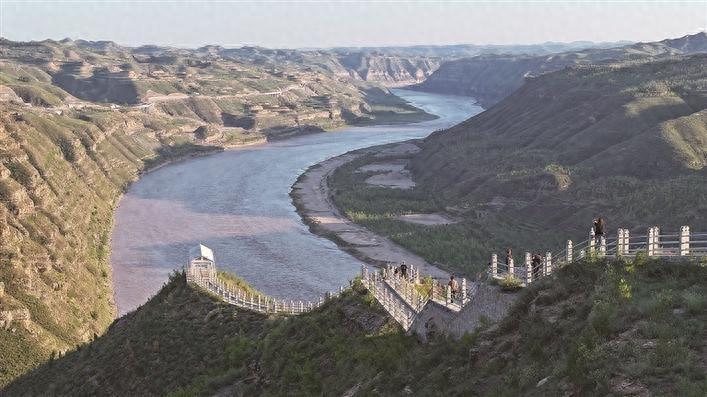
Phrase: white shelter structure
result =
(202, 267)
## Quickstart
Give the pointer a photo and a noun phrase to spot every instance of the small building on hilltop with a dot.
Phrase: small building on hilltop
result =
(201, 267)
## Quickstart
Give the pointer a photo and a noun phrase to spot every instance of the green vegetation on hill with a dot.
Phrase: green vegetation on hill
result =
(457, 247)
(595, 327)
(627, 142)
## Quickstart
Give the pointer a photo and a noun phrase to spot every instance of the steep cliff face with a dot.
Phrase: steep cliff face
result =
(389, 69)
(60, 178)
(490, 78)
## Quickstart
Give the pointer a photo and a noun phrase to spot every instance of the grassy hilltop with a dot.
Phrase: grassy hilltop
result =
(594, 328)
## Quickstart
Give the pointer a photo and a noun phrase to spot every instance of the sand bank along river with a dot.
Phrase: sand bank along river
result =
(237, 202)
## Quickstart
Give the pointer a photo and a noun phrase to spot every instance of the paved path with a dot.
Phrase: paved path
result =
(315, 204)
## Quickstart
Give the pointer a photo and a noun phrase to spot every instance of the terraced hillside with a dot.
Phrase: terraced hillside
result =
(245, 93)
(624, 141)
(491, 77)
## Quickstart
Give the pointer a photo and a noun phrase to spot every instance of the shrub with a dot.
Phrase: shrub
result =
(510, 283)
(695, 301)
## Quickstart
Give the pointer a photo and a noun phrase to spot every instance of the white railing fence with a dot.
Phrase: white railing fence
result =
(654, 244)
(404, 296)
(398, 289)
(258, 302)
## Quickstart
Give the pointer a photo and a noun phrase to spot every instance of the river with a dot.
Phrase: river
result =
(237, 203)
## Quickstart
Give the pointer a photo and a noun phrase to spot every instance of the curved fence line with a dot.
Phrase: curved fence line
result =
(399, 291)
(256, 302)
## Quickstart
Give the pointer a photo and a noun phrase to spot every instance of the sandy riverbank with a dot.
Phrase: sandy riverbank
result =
(311, 196)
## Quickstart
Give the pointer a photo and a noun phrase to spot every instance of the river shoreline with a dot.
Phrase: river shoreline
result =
(247, 218)
(311, 196)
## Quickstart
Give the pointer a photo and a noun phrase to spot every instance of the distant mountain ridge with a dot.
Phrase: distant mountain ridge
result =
(467, 50)
(490, 78)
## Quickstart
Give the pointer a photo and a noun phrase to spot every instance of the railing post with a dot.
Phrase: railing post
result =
(511, 268)
(569, 251)
(620, 242)
(528, 268)
(592, 241)
(684, 240)
(602, 246)
(258, 302)
(464, 294)
(548, 263)
(627, 242)
(653, 241)
(494, 265)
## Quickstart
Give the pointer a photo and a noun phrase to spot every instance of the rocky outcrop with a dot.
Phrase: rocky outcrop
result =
(20, 316)
(389, 69)
(8, 95)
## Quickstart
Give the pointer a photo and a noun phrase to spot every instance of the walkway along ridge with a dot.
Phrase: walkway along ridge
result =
(402, 296)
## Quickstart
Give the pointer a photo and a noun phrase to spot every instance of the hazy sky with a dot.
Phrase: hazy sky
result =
(349, 23)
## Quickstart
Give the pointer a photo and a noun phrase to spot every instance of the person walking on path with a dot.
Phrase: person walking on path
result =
(404, 271)
(454, 287)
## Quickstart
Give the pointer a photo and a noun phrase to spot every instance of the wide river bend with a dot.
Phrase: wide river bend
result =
(237, 202)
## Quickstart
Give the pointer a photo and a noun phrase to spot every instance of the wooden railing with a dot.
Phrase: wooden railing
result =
(654, 244)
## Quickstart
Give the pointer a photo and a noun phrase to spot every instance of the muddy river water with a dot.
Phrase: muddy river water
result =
(237, 203)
